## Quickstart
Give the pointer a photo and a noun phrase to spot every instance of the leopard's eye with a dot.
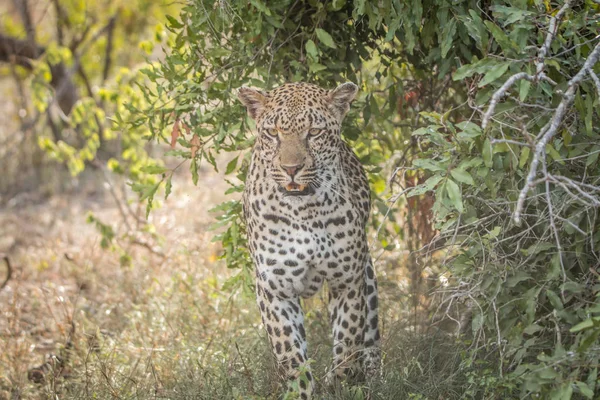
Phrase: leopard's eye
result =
(315, 131)
(272, 132)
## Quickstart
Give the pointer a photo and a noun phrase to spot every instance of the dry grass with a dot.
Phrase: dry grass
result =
(161, 327)
(160, 320)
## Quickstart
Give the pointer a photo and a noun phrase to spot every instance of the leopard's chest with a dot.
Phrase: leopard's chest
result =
(307, 233)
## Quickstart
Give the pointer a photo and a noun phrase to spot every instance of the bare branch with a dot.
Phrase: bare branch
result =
(595, 79)
(109, 47)
(19, 51)
(114, 194)
(499, 94)
(539, 66)
(553, 126)
(553, 225)
(9, 271)
(577, 186)
(23, 7)
(552, 28)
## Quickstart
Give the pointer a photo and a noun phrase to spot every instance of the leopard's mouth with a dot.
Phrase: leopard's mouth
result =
(296, 189)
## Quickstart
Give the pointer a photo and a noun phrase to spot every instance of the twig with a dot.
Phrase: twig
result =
(61, 20)
(575, 183)
(595, 79)
(508, 141)
(539, 66)
(111, 187)
(499, 94)
(553, 126)
(9, 271)
(23, 7)
(109, 46)
(553, 225)
(552, 28)
(143, 243)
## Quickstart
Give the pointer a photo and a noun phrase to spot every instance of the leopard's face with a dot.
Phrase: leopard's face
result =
(298, 132)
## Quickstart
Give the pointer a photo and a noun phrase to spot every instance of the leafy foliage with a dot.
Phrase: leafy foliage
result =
(533, 285)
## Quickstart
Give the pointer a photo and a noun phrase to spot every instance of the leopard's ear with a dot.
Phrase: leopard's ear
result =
(254, 100)
(341, 97)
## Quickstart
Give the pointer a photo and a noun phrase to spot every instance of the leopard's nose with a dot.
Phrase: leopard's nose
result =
(292, 170)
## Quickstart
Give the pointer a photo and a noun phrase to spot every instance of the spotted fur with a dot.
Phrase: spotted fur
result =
(306, 205)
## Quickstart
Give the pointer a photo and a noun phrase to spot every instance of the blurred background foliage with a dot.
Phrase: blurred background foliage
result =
(465, 106)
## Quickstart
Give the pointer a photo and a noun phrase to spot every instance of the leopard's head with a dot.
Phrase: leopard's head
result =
(298, 131)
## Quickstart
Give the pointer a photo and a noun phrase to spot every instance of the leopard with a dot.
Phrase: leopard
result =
(306, 205)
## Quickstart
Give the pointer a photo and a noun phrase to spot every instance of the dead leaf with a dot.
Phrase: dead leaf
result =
(195, 145)
(175, 134)
(188, 130)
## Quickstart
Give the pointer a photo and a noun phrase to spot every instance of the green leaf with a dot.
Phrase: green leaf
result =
(500, 37)
(447, 37)
(538, 247)
(486, 153)
(475, 28)
(454, 195)
(589, 126)
(554, 300)
(311, 49)
(153, 169)
(168, 187)
(428, 165)
(469, 130)
(462, 176)
(564, 393)
(194, 171)
(592, 158)
(261, 7)
(496, 72)
(231, 166)
(591, 337)
(585, 390)
(524, 156)
(479, 67)
(316, 67)
(477, 323)
(174, 23)
(547, 373)
(425, 187)
(588, 323)
(518, 277)
(551, 151)
(337, 5)
(325, 38)
(524, 86)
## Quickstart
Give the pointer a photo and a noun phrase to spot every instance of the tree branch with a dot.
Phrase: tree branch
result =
(9, 271)
(539, 66)
(109, 46)
(595, 79)
(23, 7)
(19, 51)
(552, 128)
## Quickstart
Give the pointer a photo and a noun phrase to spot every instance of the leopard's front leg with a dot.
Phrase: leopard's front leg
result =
(283, 319)
(347, 309)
